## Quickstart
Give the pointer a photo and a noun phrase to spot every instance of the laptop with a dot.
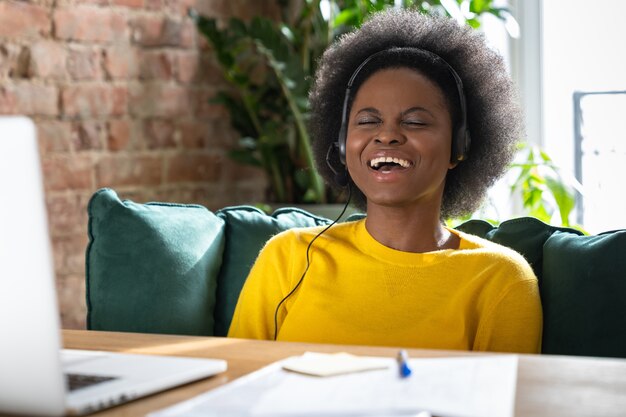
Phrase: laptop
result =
(37, 377)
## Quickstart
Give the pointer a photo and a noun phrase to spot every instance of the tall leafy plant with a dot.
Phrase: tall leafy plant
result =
(544, 189)
(269, 65)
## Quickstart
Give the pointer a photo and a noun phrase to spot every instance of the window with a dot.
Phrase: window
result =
(583, 51)
(599, 153)
(569, 46)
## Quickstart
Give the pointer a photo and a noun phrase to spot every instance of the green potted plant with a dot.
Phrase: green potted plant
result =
(269, 65)
(544, 189)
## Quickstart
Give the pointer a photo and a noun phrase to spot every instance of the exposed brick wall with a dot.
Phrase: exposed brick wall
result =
(119, 91)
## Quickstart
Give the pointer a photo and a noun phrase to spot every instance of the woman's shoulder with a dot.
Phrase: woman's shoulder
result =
(493, 253)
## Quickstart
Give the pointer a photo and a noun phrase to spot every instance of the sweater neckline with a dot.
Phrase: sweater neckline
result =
(374, 248)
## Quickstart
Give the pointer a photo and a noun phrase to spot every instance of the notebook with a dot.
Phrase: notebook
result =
(37, 377)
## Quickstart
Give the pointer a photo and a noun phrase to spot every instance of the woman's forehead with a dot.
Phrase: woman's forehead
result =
(402, 86)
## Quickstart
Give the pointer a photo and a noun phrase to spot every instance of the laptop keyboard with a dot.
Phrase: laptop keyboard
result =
(78, 381)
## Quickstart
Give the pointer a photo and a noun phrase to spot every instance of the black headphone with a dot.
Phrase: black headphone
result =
(460, 139)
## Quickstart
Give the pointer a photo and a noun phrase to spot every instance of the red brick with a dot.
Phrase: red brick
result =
(159, 134)
(160, 100)
(252, 191)
(202, 194)
(84, 64)
(205, 108)
(67, 213)
(94, 100)
(154, 31)
(69, 253)
(148, 30)
(222, 134)
(207, 134)
(244, 9)
(8, 101)
(202, 44)
(132, 4)
(211, 72)
(54, 136)
(88, 23)
(194, 134)
(193, 168)
(39, 99)
(188, 34)
(44, 3)
(14, 61)
(157, 65)
(67, 173)
(71, 298)
(121, 62)
(119, 135)
(88, 135)
(234, 171)
(182, 6)
(117, 171)
(19, 19)
(188, 68)
(154, 4)
(8, 55)
(29, 98)
(60, 4)
(215, 196)
(215, 8)
(47, 60)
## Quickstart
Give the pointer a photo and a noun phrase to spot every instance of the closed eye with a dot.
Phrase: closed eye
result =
(414, 123)
(368, 122)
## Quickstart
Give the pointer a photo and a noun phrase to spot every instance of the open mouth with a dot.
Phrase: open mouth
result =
(387, 163)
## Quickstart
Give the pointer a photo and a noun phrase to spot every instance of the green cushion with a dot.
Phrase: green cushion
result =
(247, 230)
(584, 294)
(152, 267)
(525, 235)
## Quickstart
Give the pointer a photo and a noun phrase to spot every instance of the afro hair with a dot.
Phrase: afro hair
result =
(493, 118)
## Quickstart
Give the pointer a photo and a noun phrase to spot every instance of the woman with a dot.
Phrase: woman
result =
(393, 107)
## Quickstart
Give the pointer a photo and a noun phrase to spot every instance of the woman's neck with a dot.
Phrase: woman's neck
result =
(409, 229)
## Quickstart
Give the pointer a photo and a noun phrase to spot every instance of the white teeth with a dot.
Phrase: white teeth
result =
(375, 163)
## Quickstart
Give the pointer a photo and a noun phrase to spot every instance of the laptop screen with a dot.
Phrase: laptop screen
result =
(29, 319)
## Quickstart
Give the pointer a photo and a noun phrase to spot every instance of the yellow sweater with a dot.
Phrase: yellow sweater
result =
(481, 296)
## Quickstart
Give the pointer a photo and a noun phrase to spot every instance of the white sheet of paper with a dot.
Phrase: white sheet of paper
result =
(457, 387)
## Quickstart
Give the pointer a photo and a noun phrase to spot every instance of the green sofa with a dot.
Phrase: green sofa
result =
(178, 269)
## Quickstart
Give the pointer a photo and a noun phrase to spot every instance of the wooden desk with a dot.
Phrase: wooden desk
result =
(547, 385)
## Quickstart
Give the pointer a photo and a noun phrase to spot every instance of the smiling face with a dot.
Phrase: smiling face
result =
(399, 139)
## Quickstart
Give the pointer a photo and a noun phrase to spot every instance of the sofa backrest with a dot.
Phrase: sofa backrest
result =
(172, 268)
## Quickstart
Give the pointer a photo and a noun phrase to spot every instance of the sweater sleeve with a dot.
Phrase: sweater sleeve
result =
(514, 323)
(265, 287)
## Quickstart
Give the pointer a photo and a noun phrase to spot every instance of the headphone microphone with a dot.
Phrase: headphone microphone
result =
(461, 139)
(342, 178)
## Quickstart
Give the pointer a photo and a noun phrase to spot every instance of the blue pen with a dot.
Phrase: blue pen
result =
(403, 364)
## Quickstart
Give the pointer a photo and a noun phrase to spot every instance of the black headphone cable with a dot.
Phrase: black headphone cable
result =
(308, 262)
